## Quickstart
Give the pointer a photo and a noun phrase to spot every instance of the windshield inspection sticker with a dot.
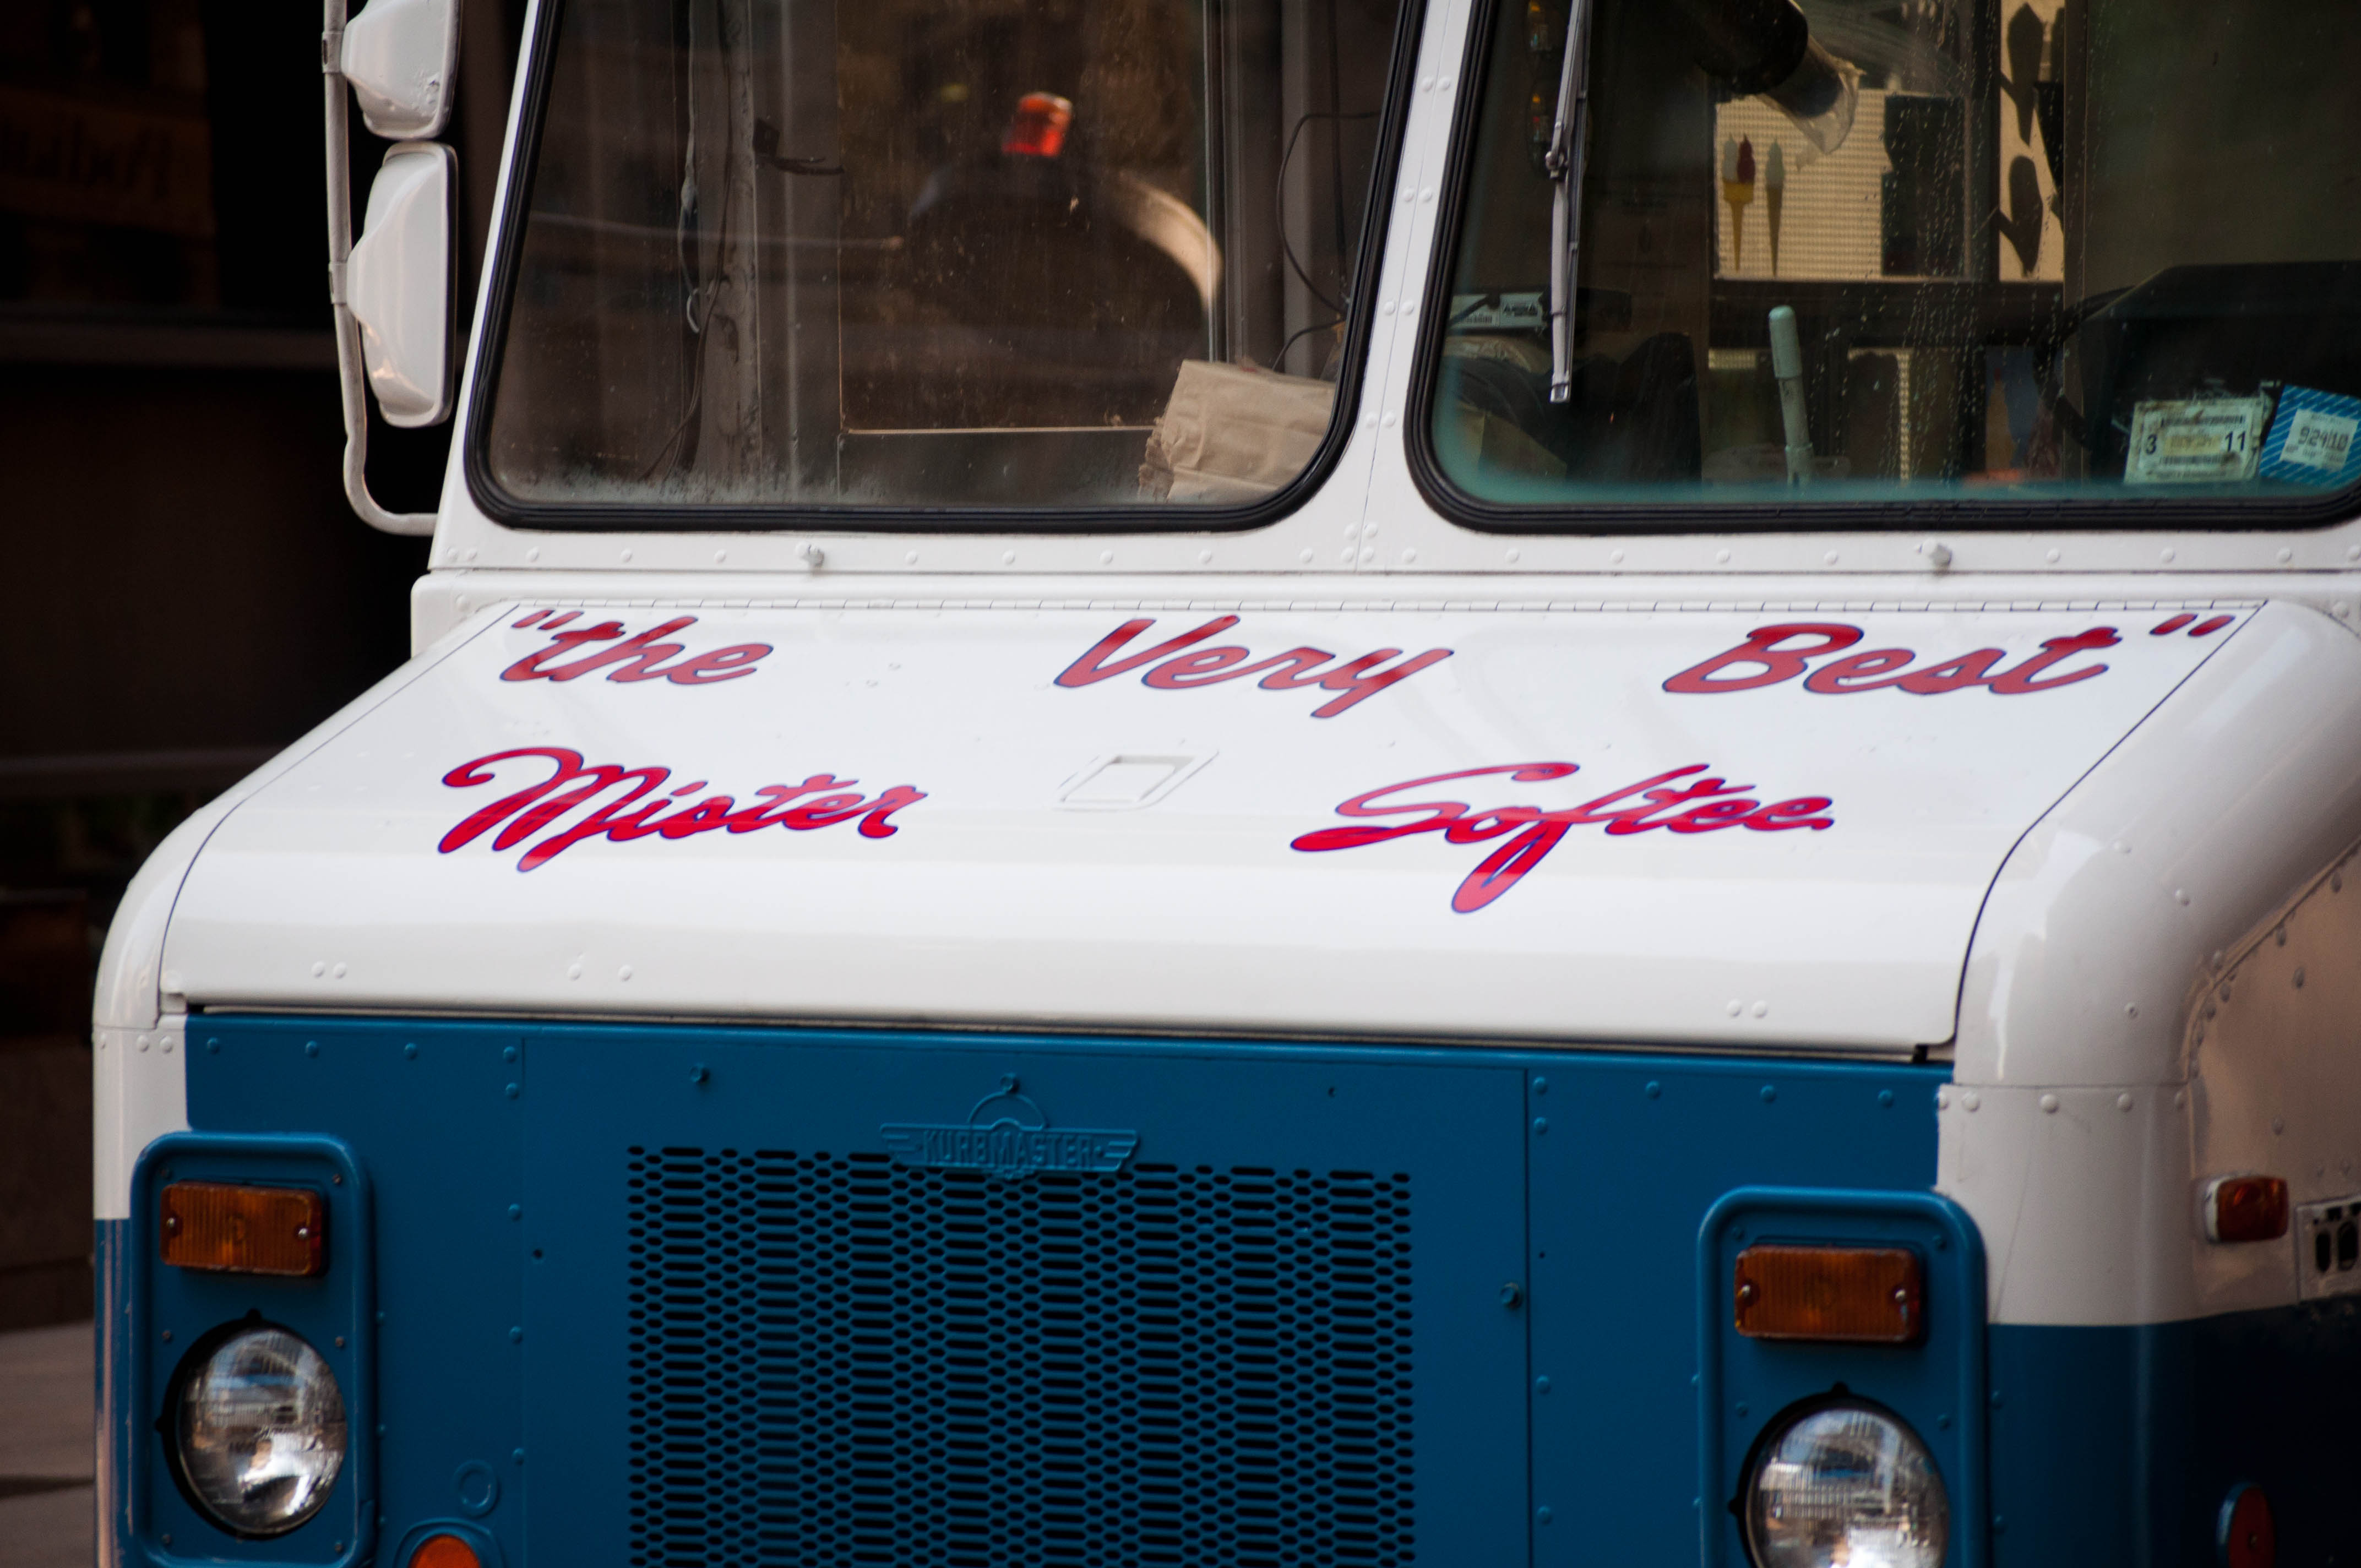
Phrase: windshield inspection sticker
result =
(2196, 441)
(2311, 440)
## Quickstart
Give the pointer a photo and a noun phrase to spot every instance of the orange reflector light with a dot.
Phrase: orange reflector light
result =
(2246, 1209)
(245, 1230)
(444, 1551)
(1850, 1294)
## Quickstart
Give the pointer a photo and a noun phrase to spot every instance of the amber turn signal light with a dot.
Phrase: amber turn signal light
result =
(444, 1551)
(245, 1230)
(1849, 1295)
(2246, 1209)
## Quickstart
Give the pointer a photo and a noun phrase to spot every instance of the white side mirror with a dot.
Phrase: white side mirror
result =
(398, 284)
(401, 58)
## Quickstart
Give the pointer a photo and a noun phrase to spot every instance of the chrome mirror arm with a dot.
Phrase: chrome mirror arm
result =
(340, 251)
(1564, 161)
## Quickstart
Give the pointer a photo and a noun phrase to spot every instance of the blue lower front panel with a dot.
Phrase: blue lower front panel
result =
(704, 1298)
(2120, 1445)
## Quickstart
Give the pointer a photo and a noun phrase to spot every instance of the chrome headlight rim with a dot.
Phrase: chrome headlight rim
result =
(168, 1426)
(1786, 1420)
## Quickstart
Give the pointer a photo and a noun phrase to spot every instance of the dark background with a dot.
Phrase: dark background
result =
(183, 590)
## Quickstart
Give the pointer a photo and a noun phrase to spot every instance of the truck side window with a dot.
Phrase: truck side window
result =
(1956, 252)
(934, 253)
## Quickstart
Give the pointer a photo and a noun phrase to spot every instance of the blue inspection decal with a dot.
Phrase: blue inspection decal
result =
(2312, 439)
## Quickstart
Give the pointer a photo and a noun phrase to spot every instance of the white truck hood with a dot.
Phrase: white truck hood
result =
(1218, 817)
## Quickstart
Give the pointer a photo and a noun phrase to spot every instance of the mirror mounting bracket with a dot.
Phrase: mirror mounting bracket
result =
(349, 375)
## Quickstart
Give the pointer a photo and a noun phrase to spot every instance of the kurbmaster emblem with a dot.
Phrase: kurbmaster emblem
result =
(1006, 1135)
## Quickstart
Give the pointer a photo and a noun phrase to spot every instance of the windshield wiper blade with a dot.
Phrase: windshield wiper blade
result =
(1567, 152)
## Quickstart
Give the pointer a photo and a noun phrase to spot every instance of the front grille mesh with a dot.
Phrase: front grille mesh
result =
(838, 1360)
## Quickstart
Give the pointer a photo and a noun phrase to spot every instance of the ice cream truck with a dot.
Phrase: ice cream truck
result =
(1316, 784)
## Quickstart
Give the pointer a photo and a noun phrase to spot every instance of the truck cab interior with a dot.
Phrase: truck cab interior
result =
(2035, 220)
(1050, 255)
(912, 253)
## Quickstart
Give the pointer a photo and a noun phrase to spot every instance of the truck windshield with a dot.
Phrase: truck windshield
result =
(920, 253)
(1949, 251)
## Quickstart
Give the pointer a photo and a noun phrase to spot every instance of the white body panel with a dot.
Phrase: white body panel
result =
(139, 1013)
(139, 1093)
(2089, 990)
(1370, 518)
(993, 900)
(1967, 897)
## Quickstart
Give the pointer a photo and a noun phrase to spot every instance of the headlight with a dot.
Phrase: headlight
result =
(1846, 1485)
(260, 1431)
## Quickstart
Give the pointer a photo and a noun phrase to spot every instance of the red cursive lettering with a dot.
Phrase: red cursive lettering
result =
(2019, 679)
(632, 815)
(1357, 680)
(1763, 647)
(1852, 672)
(1711, 804)
(1092, 666)
(1766, 649)
(641, 655)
